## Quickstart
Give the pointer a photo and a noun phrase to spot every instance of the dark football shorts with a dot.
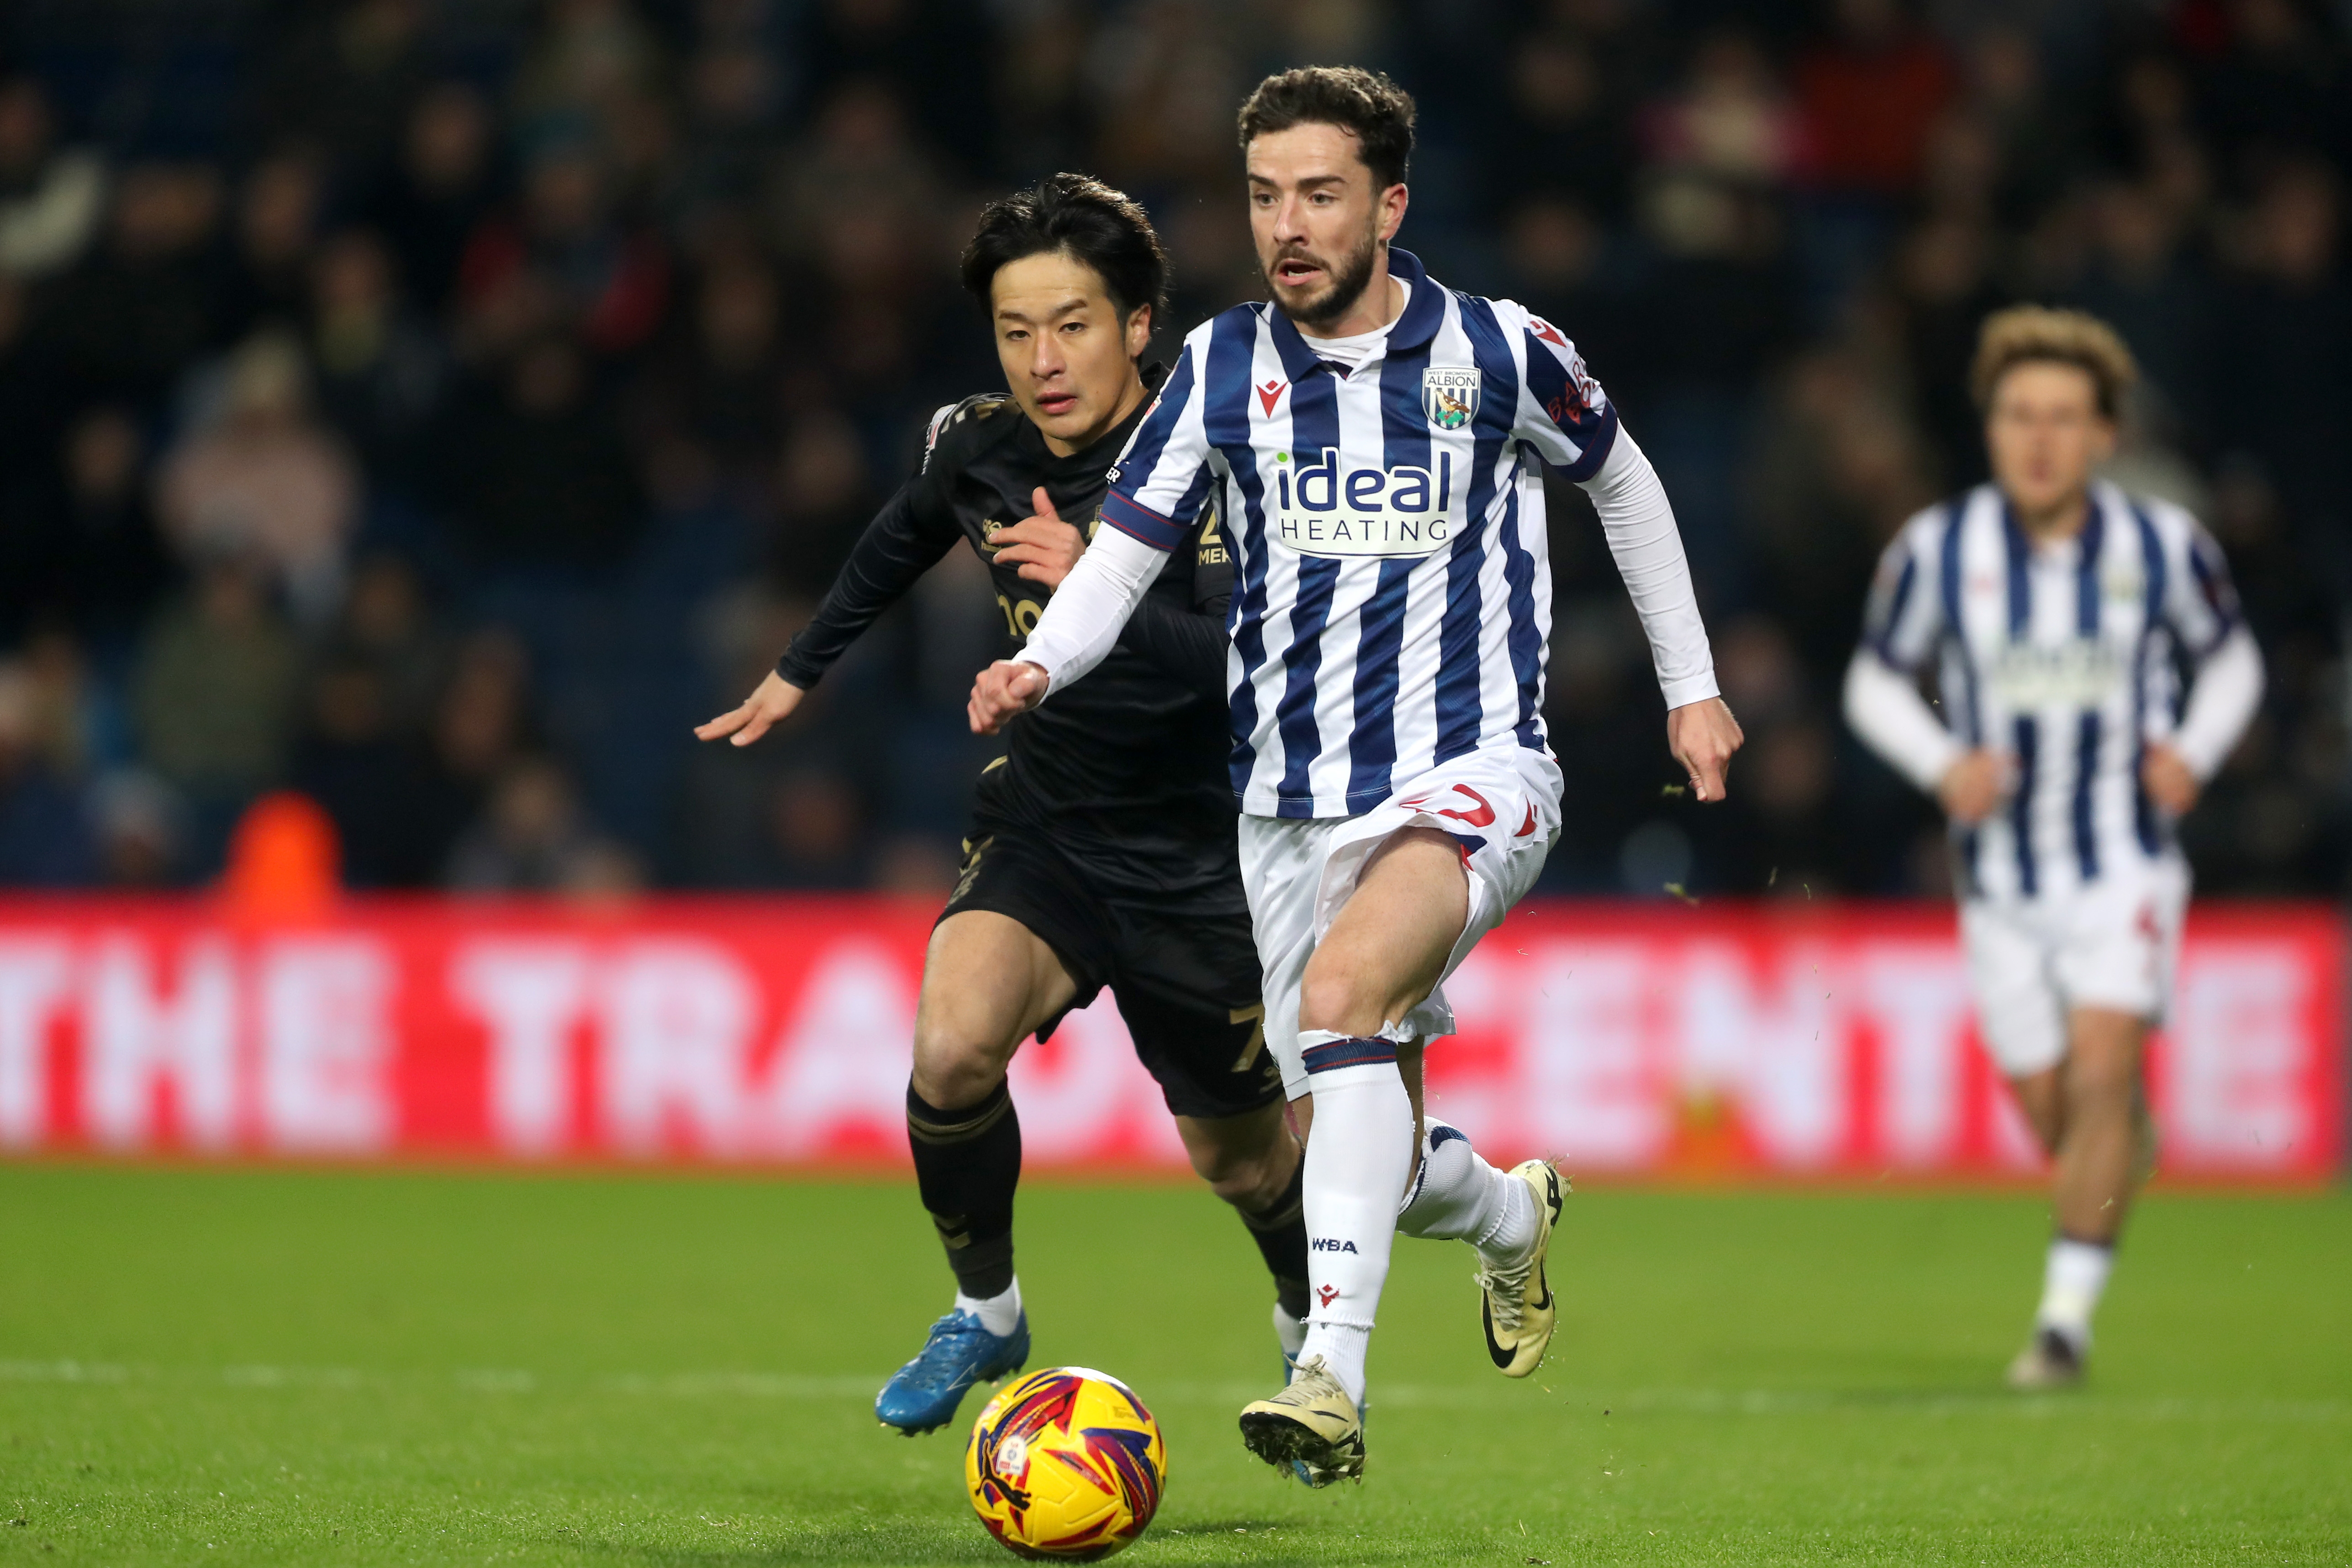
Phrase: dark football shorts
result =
(1186, 980)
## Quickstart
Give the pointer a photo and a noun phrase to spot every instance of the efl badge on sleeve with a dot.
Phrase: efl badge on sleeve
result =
(1449, 394)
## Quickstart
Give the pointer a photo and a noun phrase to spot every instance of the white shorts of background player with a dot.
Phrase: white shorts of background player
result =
(2113, 943)
(1501, 805)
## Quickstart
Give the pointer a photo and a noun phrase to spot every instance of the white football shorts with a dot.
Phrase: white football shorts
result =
(1503, 808)
(2113, 943)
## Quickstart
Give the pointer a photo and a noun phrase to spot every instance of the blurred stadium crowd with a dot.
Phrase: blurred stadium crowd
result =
(437, 407)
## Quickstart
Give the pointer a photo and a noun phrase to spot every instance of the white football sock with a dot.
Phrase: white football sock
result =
(1459, 1197)
(2071, 1281)
(1357, 1162)
(997, 1314)
(1290, 1331)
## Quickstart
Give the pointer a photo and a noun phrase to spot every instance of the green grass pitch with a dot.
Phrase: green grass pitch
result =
(256, 1367)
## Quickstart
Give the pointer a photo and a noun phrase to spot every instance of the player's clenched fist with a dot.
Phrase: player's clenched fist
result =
(1006, 687)
(2167, 779)
(770, 703)
(1703, 736)
(1972, 786)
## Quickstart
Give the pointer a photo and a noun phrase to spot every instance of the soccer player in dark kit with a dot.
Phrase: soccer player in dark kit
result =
(1103, 849)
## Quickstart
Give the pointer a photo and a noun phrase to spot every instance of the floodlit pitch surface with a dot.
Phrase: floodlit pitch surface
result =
(250, 1366)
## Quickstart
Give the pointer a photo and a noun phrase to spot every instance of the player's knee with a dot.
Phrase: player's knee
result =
(2050, 1131)
(953, 1069)
(2101, 1082)
(1335, 995)
(2039, 1101)
(1237, 1183)
(1247, 1181)
(1245, 1160)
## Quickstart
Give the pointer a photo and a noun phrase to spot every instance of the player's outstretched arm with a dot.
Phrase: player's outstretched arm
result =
(1639, 523)
(770, 703)
(906, 540)
(1566, 417)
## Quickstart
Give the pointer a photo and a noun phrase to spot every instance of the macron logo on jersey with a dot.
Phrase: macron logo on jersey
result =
(1322, 510)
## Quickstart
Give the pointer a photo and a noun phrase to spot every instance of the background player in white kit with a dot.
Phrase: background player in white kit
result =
(2059, 608)
(1376, 441)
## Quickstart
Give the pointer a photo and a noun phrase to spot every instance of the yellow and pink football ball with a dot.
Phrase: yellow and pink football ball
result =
(1066, 1464)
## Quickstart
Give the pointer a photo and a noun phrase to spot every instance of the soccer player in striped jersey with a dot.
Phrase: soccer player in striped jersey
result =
(1375, 442)
(2057, 610)
(1102, 849)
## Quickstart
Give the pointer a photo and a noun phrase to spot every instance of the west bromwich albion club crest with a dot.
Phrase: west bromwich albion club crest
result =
(1449, 394)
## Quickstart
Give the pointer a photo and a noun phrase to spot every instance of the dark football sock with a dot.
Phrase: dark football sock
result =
(1280, 1231)
(967, 1163)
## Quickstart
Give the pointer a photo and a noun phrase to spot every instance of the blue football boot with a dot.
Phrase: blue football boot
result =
(922, 1396)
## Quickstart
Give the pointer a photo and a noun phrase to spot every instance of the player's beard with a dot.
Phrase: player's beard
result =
(1347, 285)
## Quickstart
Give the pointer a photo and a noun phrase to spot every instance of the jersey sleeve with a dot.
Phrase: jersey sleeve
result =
(2201, 603)
(1638, 521)
(2200, 607)
(1160, 481)
(1904, 618)
(1562, 413)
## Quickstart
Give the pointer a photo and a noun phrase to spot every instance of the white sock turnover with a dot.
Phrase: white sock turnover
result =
(1460, 1197)
(997, 1314)
(2071, 1281)
(1357, 1162)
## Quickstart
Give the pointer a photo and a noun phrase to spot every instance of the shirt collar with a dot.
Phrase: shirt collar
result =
(1424, 311)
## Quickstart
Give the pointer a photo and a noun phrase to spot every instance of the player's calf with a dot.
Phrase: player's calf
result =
(988, 982)
(2100, 1145)
(967, 1167)
(1253, 1163)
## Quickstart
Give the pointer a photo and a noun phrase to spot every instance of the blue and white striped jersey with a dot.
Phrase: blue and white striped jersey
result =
(2063, 656)
(1392, 598)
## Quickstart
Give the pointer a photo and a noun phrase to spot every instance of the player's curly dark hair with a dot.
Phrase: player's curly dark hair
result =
(1367, 103)
(1082, 218)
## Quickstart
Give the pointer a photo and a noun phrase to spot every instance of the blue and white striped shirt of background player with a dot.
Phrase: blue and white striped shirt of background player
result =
(1391, 606)
(2063, 657)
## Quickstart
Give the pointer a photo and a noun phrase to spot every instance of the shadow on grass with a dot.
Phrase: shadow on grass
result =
(1255, 1542)
(823, 1544)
